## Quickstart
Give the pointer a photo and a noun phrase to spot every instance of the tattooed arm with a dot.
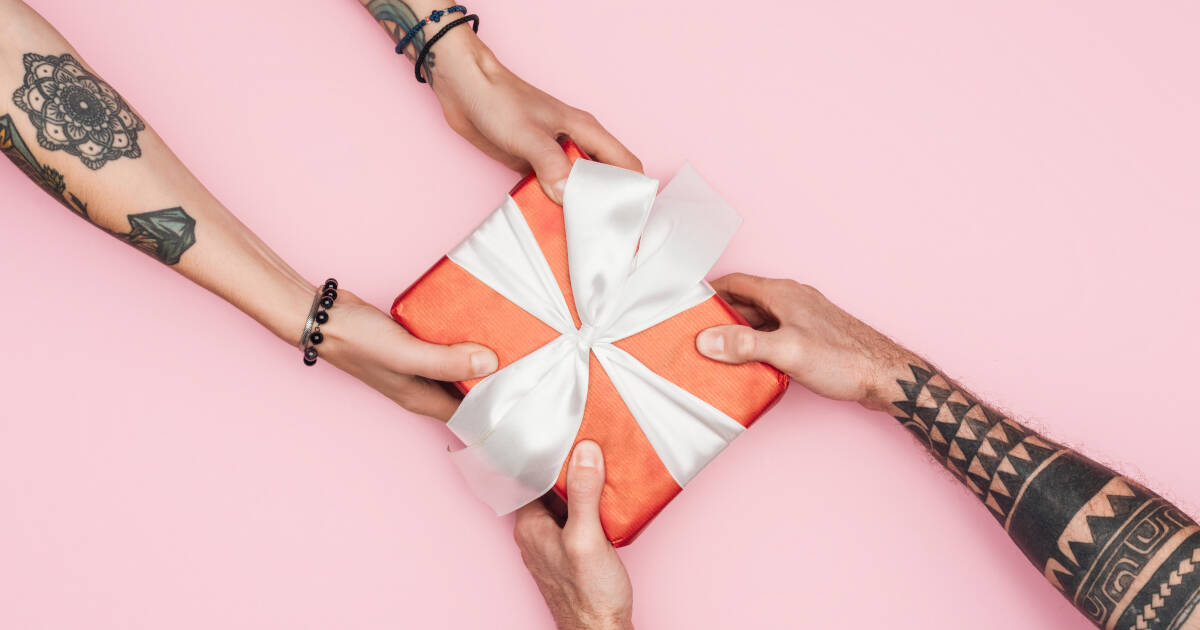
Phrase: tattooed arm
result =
(503, 116)
(1124, 556)
(76, 137)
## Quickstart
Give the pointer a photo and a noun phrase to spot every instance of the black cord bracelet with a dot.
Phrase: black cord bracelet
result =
(473, 19)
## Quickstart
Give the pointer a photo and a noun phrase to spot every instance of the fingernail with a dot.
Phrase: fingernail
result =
(711, 343)
(483, 363)
(560, 188)
(585, 454)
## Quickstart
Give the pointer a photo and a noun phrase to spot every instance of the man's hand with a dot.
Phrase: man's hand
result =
(1059, 507)
(512, 121)
(805, 335)
(365, 343)
(503, 116)
(575, 567)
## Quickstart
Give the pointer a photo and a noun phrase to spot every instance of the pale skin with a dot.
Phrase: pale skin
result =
(1124, 556)
(490, 106)
(508, 119)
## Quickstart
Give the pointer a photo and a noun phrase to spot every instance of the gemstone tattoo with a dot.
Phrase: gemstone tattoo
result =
(397, 18)
(13, 146)
(163, 234)
(1124, 556)
(77, 112)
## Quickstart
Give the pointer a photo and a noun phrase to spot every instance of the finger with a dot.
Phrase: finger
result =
(534, 525)
(548, 160)
(747, 289)
(589, 134)
(754, 317)
(426, 398)
(741, 344)
(585, 484)
(459, 362)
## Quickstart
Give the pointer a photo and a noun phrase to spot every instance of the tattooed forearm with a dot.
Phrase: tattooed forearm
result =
(163, 234)
(75, 111)
(397, 17)
(1127, 558)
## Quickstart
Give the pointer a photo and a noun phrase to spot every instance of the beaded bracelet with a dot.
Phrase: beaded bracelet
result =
(473, 19)
(435, 17)
(317, 315)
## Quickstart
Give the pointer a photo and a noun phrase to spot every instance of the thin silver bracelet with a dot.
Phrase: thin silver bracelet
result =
(308, 323)
(311, 337)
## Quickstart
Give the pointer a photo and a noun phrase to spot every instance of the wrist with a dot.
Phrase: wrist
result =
(882, 386)
(461, 57)
(290, 302)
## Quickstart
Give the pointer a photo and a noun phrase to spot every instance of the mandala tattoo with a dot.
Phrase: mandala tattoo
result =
(1125, 557)
(77, 112)
(163, 234)
(397, 18)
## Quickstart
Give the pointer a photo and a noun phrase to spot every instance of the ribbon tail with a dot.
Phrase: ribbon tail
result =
(686, 432)
(520, 423)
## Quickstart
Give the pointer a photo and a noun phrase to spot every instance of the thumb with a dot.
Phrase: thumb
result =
(741, 344)
(549, 162)
(459, 362)
(585, 483)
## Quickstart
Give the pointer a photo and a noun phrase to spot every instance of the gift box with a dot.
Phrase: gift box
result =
(593, 309)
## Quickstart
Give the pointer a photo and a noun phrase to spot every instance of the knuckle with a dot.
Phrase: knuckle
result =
(789, 295)
(579, 547)
(789, 285)
(525, 534)
(810, 291)
(584, 117)
(743, 341)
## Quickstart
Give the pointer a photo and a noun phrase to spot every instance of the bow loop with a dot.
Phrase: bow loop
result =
(604, 210)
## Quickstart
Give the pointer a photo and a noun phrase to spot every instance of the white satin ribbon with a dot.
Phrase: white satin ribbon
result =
(634, 261)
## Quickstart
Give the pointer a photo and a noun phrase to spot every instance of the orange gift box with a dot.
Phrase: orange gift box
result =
(448, 305)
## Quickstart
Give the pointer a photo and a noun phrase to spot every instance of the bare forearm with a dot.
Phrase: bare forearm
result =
(77, 138)
(1123, 555)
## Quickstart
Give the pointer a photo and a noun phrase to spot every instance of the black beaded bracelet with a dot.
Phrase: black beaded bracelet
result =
(473, 19)
(317, 315)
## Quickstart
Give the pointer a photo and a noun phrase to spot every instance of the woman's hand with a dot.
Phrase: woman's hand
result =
(503, 116)
(364, 342)
(512, 121)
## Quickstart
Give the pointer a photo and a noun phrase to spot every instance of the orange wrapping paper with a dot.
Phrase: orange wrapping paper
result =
(448, 305)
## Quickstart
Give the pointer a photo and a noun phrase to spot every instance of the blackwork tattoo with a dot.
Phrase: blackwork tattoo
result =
(1124, 556)
(397, 17)
(77, 112)
(163, 234)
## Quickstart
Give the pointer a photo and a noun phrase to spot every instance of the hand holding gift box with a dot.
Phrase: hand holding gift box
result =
(593, 309)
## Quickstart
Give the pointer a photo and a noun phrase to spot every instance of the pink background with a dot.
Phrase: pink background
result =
(1010, 190)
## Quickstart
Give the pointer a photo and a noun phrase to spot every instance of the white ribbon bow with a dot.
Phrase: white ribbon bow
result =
(634, 261)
